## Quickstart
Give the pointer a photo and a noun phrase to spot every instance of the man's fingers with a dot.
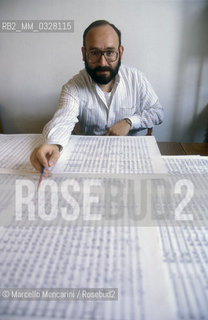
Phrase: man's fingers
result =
(47, 173)
(44, 156)
(53, 158)
(111, 132)
(35, 162)
(121, 128)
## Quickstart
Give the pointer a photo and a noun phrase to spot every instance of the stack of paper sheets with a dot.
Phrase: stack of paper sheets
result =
(158, 263)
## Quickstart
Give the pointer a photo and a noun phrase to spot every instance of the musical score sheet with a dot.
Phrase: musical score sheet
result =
(87, 154)
(160, 271)
(128, 155)
(16, 150)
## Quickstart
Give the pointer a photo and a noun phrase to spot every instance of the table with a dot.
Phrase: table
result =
(180, 148)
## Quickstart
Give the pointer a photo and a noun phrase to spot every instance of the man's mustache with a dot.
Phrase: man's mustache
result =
(102, 69)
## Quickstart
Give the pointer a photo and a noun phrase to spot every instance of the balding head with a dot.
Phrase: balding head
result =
(99, 23)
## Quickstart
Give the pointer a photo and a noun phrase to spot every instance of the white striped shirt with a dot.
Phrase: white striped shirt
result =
(82, 100)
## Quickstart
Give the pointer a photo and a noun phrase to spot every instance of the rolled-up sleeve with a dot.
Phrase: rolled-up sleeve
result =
(59, 128)
(149, 111)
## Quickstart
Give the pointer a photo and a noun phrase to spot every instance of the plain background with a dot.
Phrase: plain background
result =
(167, 40)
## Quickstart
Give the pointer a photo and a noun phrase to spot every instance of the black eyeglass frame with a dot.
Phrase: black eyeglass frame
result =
(101, 53)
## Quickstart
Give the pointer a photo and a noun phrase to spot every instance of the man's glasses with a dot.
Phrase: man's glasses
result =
(94, 56)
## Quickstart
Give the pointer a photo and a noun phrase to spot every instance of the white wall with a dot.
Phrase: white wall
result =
(165, 39)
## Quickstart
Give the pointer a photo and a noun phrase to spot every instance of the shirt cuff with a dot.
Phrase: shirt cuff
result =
(136, 122)
(58, 143)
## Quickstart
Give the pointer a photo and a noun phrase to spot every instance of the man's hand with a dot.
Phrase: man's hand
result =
(45, 155)
(121, 128)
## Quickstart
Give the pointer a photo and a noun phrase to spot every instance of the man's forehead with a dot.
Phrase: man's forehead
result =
(102, 35)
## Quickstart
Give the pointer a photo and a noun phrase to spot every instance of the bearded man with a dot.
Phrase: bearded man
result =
(106, 98)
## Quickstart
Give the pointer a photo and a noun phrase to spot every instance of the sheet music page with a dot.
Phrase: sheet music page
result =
(74, 258)
(16, 150)
(85, 257)
(87, 154)
(185, 254)
(111, 155)
(186, 164)
(184, 245)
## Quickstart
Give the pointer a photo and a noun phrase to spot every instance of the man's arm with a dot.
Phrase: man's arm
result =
(150, 116)
(144, 110)
(150, 112)
(57, 131)
(59, 128)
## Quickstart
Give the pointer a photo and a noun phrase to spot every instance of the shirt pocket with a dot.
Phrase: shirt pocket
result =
(126, 112)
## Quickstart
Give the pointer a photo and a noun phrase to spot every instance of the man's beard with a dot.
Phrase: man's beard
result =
(102, 78)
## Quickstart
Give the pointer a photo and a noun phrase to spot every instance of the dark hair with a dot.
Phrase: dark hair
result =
(98, 23)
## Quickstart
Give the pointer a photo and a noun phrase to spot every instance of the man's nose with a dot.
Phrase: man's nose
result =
(102, 61)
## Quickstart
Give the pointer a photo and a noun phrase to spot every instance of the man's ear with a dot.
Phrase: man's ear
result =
(83, 53)
(121, 49)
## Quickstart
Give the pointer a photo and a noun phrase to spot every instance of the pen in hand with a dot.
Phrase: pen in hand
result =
(41, 176)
